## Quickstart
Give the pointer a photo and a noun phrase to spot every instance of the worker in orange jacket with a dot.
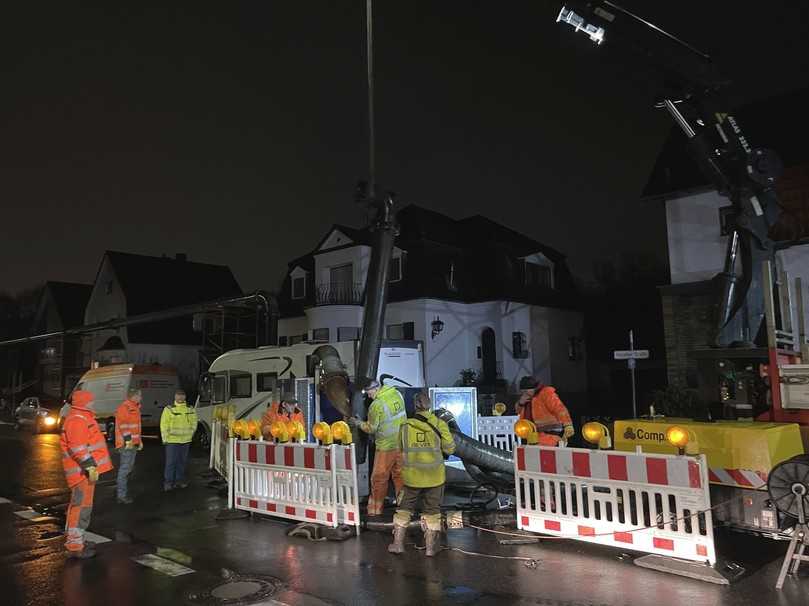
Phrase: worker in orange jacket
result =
(285, 410)
(540, 403)
(84, 459)
(127, 441)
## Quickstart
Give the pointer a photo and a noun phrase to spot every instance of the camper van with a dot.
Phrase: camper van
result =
(251, 379)
(109, 385)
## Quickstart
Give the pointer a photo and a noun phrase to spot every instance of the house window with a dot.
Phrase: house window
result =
(320, 334)
(282, 341)
(519, 345)
(241, 385)
(395, 269)
(109, 287)
(348, 333)
(400, 332)
(266, 381)
(299, 287)
(537, 275)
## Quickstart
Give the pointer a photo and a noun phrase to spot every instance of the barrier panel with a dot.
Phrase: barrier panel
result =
(651, 503)
(304, 482)
(498, 431)
(220, 448)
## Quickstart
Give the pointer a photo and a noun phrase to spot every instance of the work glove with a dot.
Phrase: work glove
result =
(353, 422)
(92, 474)
(127, 444)
(140, 446)
(569, 432)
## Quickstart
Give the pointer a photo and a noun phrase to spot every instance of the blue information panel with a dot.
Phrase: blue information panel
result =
(462, 402)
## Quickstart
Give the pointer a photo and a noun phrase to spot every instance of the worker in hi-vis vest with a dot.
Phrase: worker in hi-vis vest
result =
(385, 415)
(540, 403)
(84, 458)
(424, 440)
(177, 426)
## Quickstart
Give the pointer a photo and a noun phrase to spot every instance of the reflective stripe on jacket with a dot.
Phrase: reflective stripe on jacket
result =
(178, 424)
(385, 416)
(546, 408)
(127, 423)
(83, 445)
(424, 440)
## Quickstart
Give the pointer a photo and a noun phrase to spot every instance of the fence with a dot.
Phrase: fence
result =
(220, 448)
(304, 482)
(497, 431)
(652, 503)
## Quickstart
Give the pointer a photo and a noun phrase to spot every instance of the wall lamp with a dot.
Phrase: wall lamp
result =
(596, 33)
(437, 326)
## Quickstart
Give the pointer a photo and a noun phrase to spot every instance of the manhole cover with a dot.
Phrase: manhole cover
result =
(236, 590)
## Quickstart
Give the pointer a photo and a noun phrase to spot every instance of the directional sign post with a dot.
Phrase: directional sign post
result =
(631, 355)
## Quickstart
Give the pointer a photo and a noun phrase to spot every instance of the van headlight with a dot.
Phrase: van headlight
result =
(49, 421)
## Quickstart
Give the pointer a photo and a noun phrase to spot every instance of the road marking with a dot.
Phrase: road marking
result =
(95, 538)
(162, 565)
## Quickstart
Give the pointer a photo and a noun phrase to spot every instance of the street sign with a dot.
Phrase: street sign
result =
(631, 354)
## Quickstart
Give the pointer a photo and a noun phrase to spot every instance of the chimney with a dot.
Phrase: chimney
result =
(181, 257)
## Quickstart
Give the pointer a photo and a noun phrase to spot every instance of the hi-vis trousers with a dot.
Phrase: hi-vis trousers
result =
(78, 514)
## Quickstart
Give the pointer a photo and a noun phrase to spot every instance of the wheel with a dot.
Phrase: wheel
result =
(202, 438)
(110, 429)
(788, 485)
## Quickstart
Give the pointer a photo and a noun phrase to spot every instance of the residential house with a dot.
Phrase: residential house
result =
(697, 235)
(128, 285)
(60, 361)
(478, 295)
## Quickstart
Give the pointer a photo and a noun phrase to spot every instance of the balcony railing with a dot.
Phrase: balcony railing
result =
(338, 294)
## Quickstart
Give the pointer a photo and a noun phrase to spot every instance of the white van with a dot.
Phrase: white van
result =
(109, 385)
(252, 378)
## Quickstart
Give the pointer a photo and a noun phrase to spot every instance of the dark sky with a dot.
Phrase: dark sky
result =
(235, 131)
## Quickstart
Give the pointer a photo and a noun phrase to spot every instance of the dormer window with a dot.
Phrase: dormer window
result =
(538, 271)
(299, 287)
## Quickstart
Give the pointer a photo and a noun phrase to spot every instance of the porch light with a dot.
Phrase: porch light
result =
(437, 325)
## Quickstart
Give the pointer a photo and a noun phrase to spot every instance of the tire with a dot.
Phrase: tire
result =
(202, 438)
(110, 429)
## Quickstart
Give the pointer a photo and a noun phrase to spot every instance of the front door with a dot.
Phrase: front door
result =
(489, 355)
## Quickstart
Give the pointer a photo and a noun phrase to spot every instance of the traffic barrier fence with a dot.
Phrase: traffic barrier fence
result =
(497, 431)
(299, 481)
(644, 502)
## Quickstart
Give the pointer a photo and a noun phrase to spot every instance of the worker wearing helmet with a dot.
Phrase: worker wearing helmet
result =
(540, 404)
(385, 415)
(285, 410)
(177, 426)
(84, 458)
(424, 440)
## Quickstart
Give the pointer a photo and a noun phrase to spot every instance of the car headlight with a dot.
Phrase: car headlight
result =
(49, 421)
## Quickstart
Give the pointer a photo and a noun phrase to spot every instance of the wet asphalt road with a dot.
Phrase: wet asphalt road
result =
(34, 571)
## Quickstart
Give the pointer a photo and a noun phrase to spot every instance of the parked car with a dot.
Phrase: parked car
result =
(39, 416)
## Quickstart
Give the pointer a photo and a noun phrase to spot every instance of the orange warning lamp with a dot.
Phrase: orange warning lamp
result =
(341, 432)
(239, 428)
(682, 439)
(253, 429)
(322, 432)
(296, 431)
(526, 430)
(597, 433)
(279, 431)
(498, 409)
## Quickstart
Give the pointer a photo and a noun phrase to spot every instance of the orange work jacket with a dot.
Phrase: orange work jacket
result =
(127, 423)
(546, 409)
(274, 414)
(83, 445)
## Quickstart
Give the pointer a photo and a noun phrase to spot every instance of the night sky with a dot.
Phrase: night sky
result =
(235, 131)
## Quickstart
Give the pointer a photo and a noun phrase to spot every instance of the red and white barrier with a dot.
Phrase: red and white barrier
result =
(304, 482)
(220, 448)
(644, 502)
(498, 431)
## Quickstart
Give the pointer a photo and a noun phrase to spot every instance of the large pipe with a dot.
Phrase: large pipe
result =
(268, 301)
(333, 378)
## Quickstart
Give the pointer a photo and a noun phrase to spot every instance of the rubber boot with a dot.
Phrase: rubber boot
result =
(398, 540)
(431, 542)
